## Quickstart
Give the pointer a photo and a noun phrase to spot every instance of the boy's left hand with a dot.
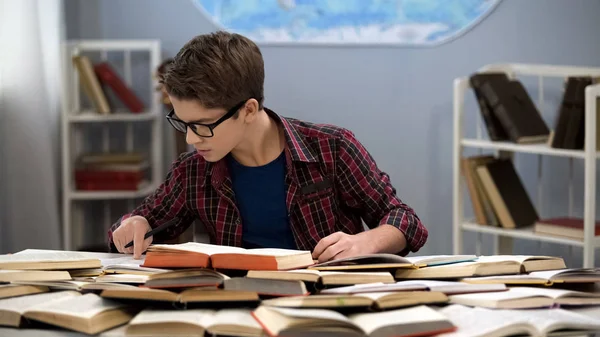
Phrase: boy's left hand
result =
(340, 245)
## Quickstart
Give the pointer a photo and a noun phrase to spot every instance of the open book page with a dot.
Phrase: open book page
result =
(319, 314)
(78, 254)
(375, 287)
(518, 278)
(123, 259)
(52, 256)
(557, 274)
(450, 287)
(548, 320)
(272, 252)
(493, 296)
(190, 316)
(241, 317)
(479, 322)
(432, 260)
(196, 247)
(85, 306)
(553, 293)
(517, 258)
(23, 303)
(372, 321)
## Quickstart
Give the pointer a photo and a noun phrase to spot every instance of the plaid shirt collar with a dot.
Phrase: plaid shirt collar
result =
(297, 150)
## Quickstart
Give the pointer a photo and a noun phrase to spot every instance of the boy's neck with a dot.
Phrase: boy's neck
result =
(264, 142)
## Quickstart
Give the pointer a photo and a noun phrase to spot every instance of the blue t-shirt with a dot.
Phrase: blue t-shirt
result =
(260, 194)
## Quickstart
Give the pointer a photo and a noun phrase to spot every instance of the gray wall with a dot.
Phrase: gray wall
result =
(397, 100)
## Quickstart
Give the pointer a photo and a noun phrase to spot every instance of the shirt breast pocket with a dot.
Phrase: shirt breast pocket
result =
(318, 206)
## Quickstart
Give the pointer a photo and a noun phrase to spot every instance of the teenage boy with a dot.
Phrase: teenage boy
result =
(258, 179)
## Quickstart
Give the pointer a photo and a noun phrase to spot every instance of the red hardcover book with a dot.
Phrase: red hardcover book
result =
(110, 176)
(107, 185)
(108, 76)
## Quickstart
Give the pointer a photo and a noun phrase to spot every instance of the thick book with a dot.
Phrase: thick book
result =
(512, 105)
(390, 261)
(323, 278)
(569, 127)
(529, 263)
(90, 84)
(445, 287)
(15, 290)
(460, 270)
(71, 310)
(193, 295)
(48, 261)
(186, 278)
(8, 275)
(527, 298)
(508, 196)
(546, 277)
(495, 130)
(476, 322)
(565, 227)
(414, 321)
(482, 207)
(266, 287)
(194, 322)
(108, 76)
(201, 255)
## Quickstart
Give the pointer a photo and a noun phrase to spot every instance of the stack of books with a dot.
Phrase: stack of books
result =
(111, 171)
(198, 289)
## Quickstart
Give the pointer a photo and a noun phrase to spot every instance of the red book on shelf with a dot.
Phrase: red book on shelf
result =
(109, 176)
(107, 185)
(567, 227)
(108, 76)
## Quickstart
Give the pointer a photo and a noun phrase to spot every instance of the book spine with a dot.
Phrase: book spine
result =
(108, 76)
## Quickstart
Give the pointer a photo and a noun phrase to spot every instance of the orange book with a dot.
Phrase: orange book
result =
(201, 255)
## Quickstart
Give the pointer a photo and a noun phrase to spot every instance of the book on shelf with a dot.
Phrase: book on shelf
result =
(546, 277)
(390, 261)
(192, 295)
(569, 129)
(15, 290)
(472, 322)
(202, 255)
(506, 192)
(71, 310)
(90, 83)
(414, 321)
(527, 298)
(446, 287)
(194, 322)
(511, 104)
(565, 227)
(482, 207)
(375, 301)
(494, 128)
(109, 77)
(323, 278)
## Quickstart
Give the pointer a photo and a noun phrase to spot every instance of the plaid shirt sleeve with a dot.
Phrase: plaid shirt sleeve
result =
(166, 202)
(363, 186)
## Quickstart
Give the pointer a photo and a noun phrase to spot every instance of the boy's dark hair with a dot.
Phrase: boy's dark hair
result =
(219, 70)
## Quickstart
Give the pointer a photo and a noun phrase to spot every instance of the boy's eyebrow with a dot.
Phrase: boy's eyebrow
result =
(201, 120)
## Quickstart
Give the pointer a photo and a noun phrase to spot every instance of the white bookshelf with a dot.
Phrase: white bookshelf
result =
(74, 117)
(502, 236)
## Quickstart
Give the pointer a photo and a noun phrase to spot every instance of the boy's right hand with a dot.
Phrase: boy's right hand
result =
(133, 228)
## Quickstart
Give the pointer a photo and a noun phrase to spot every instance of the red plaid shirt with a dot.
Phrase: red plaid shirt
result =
(332, 183)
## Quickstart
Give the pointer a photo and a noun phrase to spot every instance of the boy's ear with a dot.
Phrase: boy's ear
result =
(251, 109)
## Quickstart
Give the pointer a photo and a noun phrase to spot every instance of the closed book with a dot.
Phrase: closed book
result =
(109, 76)
(493, 126)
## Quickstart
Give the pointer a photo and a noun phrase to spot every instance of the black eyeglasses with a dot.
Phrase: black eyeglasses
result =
(202, 130)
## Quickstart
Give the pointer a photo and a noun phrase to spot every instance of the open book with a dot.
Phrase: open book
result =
(414, 321)
(194, 322)
(192, 295)
(527, 297)
(7, 275)
(461, 270)
(87, 313)
(324, 278)
(201, 255)
(479, 322)
(548, 277)
(390, 261)
(14, 290)
(371, 301)
(529, 263)
(55, 260)
(446, 287)
(186, 278)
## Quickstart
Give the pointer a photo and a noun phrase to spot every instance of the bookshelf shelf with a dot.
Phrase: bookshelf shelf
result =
(503, 237)
(132, 56)
(523, 233)
(106, 195)
(92, 116)
(541, 149)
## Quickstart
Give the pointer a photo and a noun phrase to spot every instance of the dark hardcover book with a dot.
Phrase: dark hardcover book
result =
(515, 110)
(494, 128)
(570, 125)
